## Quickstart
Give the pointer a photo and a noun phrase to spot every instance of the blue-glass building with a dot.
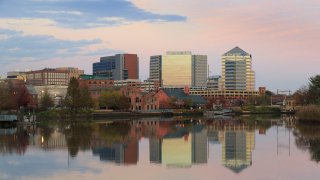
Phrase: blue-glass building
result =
(117, 67)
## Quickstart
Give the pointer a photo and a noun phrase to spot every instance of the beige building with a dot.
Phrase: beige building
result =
(178, 69)
(58, 76)
(237, 73)
(72, 72)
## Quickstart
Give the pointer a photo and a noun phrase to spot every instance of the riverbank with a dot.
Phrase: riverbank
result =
(309, 114)
(64, 114)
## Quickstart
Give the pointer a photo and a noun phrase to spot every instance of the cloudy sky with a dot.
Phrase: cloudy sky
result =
(283, 36)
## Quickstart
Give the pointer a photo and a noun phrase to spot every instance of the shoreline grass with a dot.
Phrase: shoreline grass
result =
(309, 114)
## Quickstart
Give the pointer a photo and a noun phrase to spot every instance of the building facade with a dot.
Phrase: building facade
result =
(145, 86)
(95, 84)
(140, 101)
(214, 82)
(178, 69)
(199, 70)
(237, 73)
(17, 75)
(118, 67)
(155, 69)
(227, 94)
(58, 76)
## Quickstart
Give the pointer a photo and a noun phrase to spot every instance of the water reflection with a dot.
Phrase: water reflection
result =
(307, 138)
(171, 143)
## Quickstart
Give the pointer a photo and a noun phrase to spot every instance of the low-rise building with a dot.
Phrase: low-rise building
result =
(227, 94)
(214, 82)
(58, 76)
(146, 86)
(21, 75)
(178, 96)
(96, 84)
(139, 100)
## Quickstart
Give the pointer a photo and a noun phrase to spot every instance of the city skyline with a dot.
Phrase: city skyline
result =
(282, 36)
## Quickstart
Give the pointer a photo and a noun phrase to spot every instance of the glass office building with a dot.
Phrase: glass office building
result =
(118, 67)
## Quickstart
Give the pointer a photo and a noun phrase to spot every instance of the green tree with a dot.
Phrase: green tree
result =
(124, 103)
(112, 99)
(72, 100)
(86, 101)
(46, 101)
(314, 90)
(259, 100)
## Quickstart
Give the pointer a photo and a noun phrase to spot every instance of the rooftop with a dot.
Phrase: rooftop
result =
(180, 95)
(236, 52)
(93, 77)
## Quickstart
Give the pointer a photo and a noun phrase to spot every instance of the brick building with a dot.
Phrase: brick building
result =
(142, 101)
(96, 84)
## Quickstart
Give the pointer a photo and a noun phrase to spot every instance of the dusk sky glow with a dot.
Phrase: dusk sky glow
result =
(283, 36)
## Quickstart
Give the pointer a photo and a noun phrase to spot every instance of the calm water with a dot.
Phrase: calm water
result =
(153, 148)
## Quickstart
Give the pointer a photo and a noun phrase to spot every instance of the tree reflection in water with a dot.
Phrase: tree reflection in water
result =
(78, 137)
(308, 138)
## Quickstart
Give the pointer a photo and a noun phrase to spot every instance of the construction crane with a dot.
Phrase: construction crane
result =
(284, 91)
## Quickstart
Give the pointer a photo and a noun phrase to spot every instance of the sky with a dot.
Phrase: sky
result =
(283, 36)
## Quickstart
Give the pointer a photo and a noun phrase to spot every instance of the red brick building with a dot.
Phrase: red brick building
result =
(131, 63)
(95, 84)
(140, 100)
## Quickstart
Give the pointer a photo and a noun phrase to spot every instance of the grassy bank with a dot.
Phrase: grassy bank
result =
(309, 114)
(56, 114)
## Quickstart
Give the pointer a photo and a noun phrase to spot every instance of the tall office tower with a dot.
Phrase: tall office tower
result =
(118, 67)
(178, 69)
(199, 70)
(237, 73)
(155, 69)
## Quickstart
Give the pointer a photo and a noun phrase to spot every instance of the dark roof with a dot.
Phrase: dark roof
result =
(93, 77)
(180, 95)
(236, 51)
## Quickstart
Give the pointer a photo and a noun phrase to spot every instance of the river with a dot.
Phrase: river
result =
(251, 147)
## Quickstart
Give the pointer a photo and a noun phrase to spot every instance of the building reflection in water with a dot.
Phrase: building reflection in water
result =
(172, 143)
(179, 146)
(237, 149)
(119, 153)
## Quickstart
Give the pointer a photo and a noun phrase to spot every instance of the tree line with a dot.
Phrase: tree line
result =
(309, 94)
